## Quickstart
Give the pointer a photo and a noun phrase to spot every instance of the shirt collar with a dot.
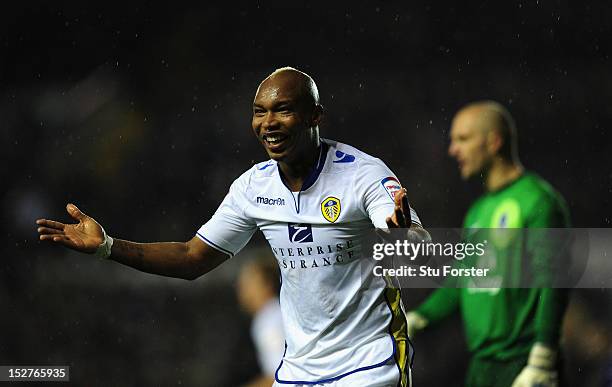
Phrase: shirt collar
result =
(312, 178)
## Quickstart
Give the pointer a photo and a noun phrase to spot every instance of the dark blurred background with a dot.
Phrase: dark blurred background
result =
(140, 114)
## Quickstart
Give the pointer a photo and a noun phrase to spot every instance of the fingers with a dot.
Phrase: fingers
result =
(51, 237)
(390, 222)
(75, 212)
(397, 199)
(398, 219)
(49, 231)
(64, 240)
(406, 210)
(60, 239)
(405, 204)
(401, 206)
(51, 224)
(399, 216)
(401, 212)
(401, 199)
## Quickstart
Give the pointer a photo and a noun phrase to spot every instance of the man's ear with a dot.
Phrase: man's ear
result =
(494, 142)
(317, 115)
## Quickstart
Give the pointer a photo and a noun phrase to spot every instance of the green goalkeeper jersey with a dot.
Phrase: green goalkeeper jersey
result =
(501, 319)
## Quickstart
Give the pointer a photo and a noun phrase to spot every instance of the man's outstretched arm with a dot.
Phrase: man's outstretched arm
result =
(187, 260)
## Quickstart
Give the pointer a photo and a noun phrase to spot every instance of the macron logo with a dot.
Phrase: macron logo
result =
(270, 201)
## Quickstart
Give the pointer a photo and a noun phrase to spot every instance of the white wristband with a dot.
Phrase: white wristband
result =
(104, 250)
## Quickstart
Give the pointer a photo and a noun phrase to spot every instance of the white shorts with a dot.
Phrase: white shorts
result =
(387, 375)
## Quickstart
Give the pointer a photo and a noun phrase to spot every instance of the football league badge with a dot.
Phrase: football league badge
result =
(330, 208)
(391, 185)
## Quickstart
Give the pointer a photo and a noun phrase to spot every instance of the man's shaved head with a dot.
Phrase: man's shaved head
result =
(302, 83)
(491, 115)
(286, 117)
(482, 133)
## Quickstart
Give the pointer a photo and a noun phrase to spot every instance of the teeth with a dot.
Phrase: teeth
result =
(273, 139)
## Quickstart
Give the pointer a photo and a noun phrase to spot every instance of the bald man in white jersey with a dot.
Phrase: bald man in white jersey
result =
(315, 200)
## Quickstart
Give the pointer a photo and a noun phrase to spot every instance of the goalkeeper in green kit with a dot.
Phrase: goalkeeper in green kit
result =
(512, 333)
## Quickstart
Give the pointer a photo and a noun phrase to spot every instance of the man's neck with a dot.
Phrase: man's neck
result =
(502, 173)
(295, 173)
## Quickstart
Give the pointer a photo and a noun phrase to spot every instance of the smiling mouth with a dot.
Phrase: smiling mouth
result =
(274, 140)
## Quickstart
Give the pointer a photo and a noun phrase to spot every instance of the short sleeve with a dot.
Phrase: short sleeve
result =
(550, 211)
(229, 230)
(377, 185)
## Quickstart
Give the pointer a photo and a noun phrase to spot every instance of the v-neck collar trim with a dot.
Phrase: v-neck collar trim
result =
(314, 175)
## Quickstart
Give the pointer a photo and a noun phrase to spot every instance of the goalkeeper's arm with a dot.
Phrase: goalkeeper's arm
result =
(439, 305)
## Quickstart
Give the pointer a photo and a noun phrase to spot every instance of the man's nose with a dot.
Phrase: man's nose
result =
(269, 120)
(452, 150)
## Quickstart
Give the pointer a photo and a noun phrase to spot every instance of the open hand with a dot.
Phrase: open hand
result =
(84, 236)
(401, 214)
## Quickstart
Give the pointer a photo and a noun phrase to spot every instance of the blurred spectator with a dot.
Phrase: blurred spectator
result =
(587, 338)
(258, 287)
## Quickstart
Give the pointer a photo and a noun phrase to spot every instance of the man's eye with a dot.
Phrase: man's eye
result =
(258, 113)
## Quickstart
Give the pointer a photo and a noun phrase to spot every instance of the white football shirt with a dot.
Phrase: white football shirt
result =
(336, 322)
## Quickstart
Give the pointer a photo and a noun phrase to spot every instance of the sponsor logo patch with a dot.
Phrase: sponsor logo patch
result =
(344, 157)
(270, 201)
(299, 232)
(391, 185)
(330, 208)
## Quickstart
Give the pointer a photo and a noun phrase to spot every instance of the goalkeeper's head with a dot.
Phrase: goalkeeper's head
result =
(483, 136)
